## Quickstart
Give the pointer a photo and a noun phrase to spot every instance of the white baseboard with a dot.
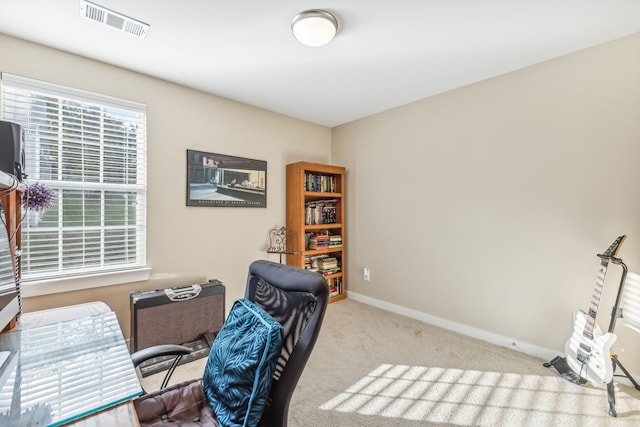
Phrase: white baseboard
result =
(501, 340)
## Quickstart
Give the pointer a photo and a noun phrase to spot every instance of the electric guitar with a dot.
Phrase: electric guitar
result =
(588, 350)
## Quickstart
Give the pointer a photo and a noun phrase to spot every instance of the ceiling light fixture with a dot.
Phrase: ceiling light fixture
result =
(314, 27)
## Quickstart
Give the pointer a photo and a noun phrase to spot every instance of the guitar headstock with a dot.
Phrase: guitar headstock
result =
(613, 249)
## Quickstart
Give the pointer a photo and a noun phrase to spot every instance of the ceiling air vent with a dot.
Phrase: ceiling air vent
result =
(113, 19)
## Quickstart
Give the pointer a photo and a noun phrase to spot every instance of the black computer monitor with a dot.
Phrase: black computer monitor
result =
(12, 149)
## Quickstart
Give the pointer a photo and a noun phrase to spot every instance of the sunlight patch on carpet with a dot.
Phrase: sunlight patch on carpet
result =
(473, 398)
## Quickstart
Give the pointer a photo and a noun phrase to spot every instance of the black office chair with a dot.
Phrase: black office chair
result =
(297, 299)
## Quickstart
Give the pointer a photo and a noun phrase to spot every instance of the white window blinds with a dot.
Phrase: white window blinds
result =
(90, 150)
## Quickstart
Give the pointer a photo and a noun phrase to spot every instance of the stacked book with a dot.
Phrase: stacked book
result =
(319, 241)
(335, 241)
(328, 265)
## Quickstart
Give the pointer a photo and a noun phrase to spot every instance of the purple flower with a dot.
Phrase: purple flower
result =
(38, 197)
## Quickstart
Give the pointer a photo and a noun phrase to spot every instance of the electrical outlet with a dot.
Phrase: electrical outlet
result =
(365, 273)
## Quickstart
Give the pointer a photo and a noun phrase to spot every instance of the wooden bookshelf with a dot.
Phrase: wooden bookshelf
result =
(315, 222)
(11, 201)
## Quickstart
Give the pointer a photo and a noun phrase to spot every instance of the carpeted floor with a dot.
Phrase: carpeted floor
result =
(375, 368)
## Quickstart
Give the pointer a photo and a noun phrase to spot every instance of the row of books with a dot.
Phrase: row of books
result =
(335, 286)
(320, 212)
(320, 183)
(323, 241)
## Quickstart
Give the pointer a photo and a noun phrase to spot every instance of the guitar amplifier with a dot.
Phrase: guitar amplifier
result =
(177, 315)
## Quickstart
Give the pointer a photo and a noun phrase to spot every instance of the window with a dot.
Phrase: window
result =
(90, 150)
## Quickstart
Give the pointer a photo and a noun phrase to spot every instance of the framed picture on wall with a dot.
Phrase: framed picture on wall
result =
(219, 180)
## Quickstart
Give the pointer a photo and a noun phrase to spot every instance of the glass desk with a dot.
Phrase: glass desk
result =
(54, 374)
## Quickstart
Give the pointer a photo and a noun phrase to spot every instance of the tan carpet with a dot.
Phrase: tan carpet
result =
(375, 368)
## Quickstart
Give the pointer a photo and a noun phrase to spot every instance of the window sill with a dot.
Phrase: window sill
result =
(54, 286)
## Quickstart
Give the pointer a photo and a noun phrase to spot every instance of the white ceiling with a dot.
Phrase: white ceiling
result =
(387, 52)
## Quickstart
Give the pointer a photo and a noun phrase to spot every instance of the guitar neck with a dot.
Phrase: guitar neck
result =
(610, 253)
(595, 299)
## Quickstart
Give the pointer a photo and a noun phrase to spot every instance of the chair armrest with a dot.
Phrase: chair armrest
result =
(158, 350)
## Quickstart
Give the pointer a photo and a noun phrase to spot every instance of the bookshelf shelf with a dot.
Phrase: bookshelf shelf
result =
(322, 195)
(315, 221)
(312, 252)
(322, 226)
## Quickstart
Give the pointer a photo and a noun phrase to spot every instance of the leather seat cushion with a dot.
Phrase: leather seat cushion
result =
(183, 405)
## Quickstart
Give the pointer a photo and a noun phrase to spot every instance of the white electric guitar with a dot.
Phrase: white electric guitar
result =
(588, 350)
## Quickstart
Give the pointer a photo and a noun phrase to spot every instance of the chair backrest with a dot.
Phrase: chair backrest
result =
(298, 300)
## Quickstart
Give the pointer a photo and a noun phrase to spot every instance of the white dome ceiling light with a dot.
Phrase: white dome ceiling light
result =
(314, 27)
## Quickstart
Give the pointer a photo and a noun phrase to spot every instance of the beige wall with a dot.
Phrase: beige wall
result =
(184, 244)
(486, 206)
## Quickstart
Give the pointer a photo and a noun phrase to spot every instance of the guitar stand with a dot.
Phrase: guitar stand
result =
(616, 313)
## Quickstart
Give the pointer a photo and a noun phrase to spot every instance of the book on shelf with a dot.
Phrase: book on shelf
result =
(328, 265)
(335, 241)
(320, 183)
(322, 263)
(335, 286)
(319, 241)
(313, 262)
(320, 212)
(322, 240)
